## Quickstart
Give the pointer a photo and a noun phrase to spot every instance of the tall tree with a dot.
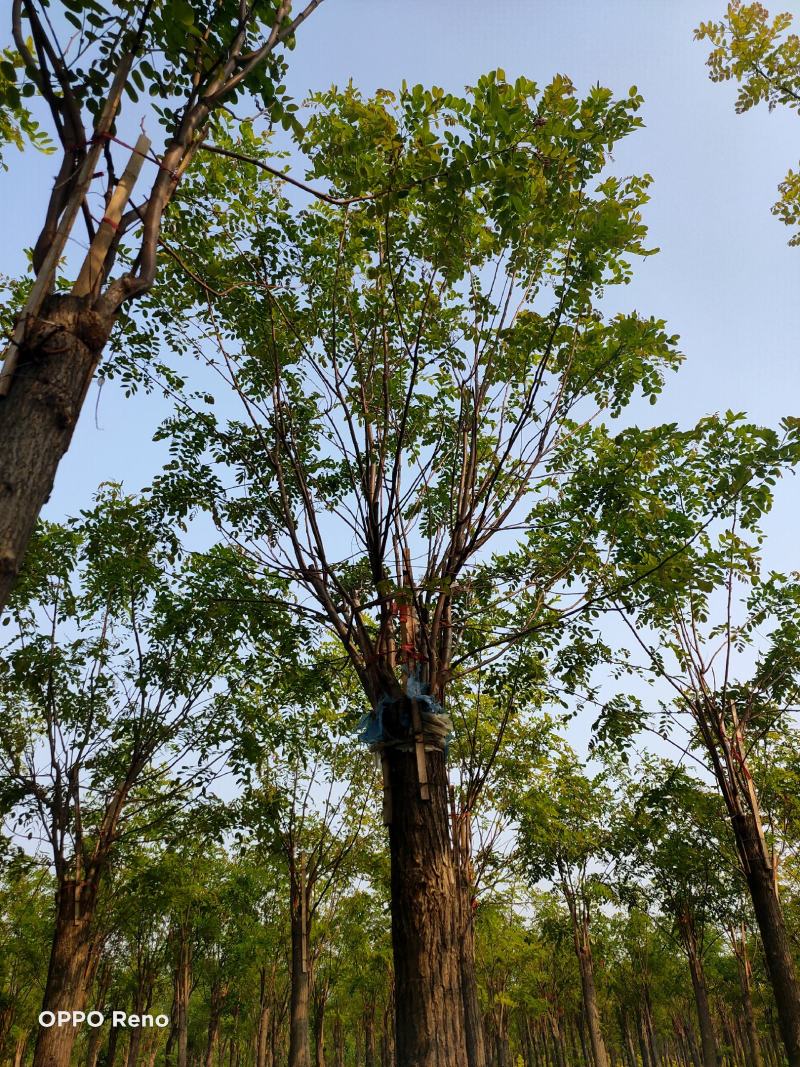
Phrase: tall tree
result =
(714, 625)
(194, 59)
(406, 370)
(563, 837)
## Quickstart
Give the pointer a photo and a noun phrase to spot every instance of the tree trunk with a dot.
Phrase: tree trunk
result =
(763, 888)
(708, 1040)
(68, 972)
(369, 1035)
(644, 1047)
(583, 949)
(649, 1029)
(473, 1020)
(218, 992)
(319, 1028)
(183, 988)
(751, 1030)
(299, 1038)
(338, 1043)
(37, 418)
(387, 1041)
(264, 1019)
(19, 1049)
(429, 1013)
(111, 1048)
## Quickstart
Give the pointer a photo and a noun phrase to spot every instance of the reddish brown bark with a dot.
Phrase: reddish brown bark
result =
(429, 1030)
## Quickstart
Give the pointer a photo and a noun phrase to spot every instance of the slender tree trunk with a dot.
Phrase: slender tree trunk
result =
(583, 950)
(644, 1047)
(183, 988)
(338, 1043)
(218, 992)
(299, 1030)
(320, 1001)
(558, 1042)
(649, 1028)
(473, 1020)
(751, 1030)
(37, 418)
(111, 1048)
(708, 1040)
(369, 1035)
(429, 1013)
(19, 1049)
(768, 910)
(264, 1019)
(95, 1041)
(68, 973)
(141, 1005)
(387, 1038)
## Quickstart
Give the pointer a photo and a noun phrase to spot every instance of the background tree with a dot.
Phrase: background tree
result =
(563, 837)
(112, 690)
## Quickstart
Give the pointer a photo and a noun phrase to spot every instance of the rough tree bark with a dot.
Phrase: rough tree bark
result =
(429, 1030)
(69, 971)
(37, 418)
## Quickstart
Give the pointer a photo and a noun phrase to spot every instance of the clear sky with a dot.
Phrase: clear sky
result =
(725, 279)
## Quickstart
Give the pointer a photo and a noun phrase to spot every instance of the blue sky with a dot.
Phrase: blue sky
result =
(725, 279)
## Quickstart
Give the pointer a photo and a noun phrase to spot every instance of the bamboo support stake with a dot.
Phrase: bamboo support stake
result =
(419, 749)
(44, 279)
(303, 918)
(92, 269)
(409, 637)
(387, 790)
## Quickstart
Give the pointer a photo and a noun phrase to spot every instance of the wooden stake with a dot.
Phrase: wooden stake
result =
(92, 269)
(303, 917)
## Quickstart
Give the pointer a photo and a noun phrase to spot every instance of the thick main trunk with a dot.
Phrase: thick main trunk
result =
(429, 1014)
(68, 973)
(772, 927)
(38, 416)
(299, 1046)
